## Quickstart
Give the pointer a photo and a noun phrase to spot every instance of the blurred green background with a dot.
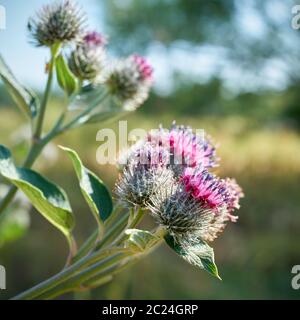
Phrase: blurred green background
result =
(230, 67)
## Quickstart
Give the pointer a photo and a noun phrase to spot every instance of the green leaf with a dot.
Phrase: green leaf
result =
(140, 240)
(46, 197)
(199, 254)
(25, 99)
(66, 79)
(93, 189)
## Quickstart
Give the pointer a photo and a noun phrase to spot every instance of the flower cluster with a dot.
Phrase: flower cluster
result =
(128, 80)
(169, 174)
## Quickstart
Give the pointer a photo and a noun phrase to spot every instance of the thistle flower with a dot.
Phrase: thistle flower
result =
(187, 208)
(138, 182)
(177, 149)
(211, 191)
(143, 152)
(184, 216)
(87, 60)
(190, 202)
(130, 81)
(142, 171)
(58, 23)
(186, 147)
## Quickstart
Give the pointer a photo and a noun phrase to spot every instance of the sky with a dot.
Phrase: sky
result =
(27, 62)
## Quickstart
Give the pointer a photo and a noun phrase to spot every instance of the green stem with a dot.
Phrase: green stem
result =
(36, 146)
(87, 271)
(101, 274)
(91, 242)
(67, 273)
(97, 276)
(108, 237)
(86, 247)
(113, 232)
(137, 217)
(72, 284)
(42, 112)
(77, 120)
(72, 249)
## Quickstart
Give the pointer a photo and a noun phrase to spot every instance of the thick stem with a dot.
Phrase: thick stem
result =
(67, 273)
(101, 273)
(137, 217)
(86, 271)
(94, 239)
(87, 247)
(113, 232)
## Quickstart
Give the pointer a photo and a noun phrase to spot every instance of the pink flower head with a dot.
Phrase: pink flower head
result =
(205, 187)
(186, 147)
(145, 69)
(212, 192)
(195, 150)
(151, 156)
(94, 39)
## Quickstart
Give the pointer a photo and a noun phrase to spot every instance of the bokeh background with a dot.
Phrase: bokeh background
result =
(230, 67)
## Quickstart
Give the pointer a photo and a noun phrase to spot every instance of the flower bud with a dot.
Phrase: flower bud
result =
(142, 173)
(184, 216)
(130, 81)
(87, 61)
(58, 23)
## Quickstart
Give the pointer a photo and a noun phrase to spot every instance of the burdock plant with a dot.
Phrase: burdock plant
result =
(168, 175)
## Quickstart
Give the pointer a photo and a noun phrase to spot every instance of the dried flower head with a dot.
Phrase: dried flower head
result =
(58, 23)
(130, 81)
(87, 61)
